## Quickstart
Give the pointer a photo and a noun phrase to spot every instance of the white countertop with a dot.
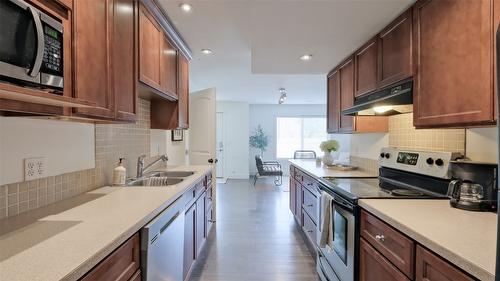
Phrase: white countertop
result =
(65, 240)
(466, 239)
(319, 170)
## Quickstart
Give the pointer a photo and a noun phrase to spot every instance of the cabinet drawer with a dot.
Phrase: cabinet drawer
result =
(121, 265)
(310, 205)
(396, 247)
(373, 266)
(430, 267)
(299, 176)
(309, 227)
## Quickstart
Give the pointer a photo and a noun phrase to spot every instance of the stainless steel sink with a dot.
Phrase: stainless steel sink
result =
(144, 181)
(173, 174)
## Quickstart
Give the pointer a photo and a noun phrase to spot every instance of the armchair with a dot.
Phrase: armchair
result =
(268, 168)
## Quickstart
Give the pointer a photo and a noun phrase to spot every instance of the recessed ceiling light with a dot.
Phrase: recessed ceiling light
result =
(306, 57)
(206, 51)
(186, 7)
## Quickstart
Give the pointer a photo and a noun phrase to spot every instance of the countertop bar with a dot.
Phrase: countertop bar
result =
(319, 170)
(63, 241)
(466, 239)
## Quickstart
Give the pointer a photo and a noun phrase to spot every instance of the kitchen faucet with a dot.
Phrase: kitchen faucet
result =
(140, 164)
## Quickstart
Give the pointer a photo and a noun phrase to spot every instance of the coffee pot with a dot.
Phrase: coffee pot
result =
(474, 186)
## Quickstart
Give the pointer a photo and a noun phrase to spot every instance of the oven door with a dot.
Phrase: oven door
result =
(341, 257)
(21, 41)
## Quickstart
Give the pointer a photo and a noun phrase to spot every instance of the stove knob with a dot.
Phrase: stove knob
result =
(382, 155)
(439, 162)
(429, 161)
(387, 155)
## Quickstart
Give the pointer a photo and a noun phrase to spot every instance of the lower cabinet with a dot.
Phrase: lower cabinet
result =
(387, 254)
(200, 223)
(189, 239)
(373, 266)
(298, 202)
(121, 265)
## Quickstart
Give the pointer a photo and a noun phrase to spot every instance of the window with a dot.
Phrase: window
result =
(299, 133)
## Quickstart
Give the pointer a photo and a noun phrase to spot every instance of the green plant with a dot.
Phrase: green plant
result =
(259, 140)
(329, 146)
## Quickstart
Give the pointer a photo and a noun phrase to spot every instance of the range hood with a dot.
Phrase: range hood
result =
(395, 99)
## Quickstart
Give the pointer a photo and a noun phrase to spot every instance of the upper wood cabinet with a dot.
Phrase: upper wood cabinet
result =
(150, 43)
(183, 92)
(91, 71)
(104, 61)
(346, 88)
(395, 50)
(366, 68)
(333, 102)
(453, 70)
(157, 59)
(168, 67)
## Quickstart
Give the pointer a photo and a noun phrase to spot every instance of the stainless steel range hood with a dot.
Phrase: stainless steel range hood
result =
(395, 99)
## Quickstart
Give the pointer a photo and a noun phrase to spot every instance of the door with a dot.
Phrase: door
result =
(189, 239)
(220, 144)
(91, 71)
(346, 79)
(366, 68)
(430, 267)
(150, 42)
(200, 222)
(202, 132)
(168, 68)
(373, 266)
(183, 91)
(453, 71)
(333, 102)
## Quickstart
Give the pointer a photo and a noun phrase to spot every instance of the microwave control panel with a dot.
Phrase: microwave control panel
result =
(53, 52)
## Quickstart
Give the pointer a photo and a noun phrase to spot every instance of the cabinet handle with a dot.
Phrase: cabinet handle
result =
(380, 237)
(212, 221)
(309, 205)
(310, 231)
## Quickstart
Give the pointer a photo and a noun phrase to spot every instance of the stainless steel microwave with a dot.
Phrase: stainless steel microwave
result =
(31, 46)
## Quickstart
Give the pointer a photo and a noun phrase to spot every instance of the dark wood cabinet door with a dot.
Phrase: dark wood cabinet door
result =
(121, 265)
(150, 43)
(395, 56)
(373, 266)
(200, 222)
(183, 91)
(189, 239)
(124, 59)
(333, 102)
(366, 68)
(453, 69)
(209, 220)
(298, 203)
(292, 195)
(430, 267)
(346, 78)
(91, 21)
(168, 68)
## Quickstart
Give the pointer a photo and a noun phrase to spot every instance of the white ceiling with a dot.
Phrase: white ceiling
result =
(257, 43)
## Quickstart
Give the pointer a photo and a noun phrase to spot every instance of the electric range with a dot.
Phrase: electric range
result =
(403, 174)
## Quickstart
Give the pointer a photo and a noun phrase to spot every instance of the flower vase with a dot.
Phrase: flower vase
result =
(327, 158)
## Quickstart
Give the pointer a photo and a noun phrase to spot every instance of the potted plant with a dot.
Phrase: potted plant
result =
(328, 147)
(259, 140)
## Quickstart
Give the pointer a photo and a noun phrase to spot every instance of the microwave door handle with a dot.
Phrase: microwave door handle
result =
(40, 43)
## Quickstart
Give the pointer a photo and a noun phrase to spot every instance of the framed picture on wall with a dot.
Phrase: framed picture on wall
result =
(177, 135)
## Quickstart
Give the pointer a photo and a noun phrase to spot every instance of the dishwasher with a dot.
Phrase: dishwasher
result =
(162, 245)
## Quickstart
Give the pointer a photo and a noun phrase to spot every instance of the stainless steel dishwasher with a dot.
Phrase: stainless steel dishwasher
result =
(162, 245)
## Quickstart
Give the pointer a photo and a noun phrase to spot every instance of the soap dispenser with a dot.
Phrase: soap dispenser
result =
(119, 174)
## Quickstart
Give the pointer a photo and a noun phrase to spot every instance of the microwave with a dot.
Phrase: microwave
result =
(31, 46)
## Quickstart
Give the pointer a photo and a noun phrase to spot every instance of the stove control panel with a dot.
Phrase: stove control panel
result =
(429, 163)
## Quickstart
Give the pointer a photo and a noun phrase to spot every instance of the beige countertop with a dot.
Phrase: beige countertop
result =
(65, 240)
(319, 170)
(466, 239)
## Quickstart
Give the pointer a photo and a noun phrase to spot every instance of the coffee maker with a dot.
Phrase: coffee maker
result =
(474, 185)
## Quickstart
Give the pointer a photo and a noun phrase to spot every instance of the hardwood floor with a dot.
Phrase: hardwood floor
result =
(256, 237)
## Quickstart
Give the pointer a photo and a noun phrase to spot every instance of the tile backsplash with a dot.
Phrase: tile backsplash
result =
(111, 142)
(402, 134)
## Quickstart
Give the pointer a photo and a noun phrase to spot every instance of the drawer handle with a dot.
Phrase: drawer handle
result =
(309, 184)
(380, 238)
(212, 221)
(309, 205)
(309, 231)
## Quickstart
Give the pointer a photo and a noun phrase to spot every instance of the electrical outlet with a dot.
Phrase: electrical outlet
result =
(34, 168)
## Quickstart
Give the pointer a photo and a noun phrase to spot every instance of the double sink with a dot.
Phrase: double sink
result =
(172, 177)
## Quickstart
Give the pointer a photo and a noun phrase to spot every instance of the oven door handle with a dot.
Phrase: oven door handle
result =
(40, 43)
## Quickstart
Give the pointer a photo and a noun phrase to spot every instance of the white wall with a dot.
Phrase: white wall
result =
(66, 146)
(161, 143)
(235, 121)
(482, 144)
(265, 115)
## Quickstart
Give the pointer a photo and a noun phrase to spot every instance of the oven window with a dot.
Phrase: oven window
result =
(340, 236)
(18, 41)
